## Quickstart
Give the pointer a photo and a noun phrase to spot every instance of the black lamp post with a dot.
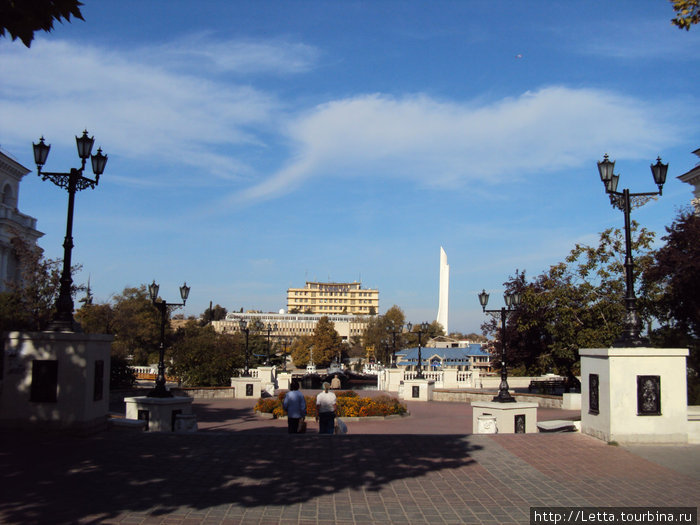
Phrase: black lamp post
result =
(270, 328)
(72, 181)
(423, 327)
(512, 300)
(394, 331)
(243, 325)
(164, 308)
(625, 201)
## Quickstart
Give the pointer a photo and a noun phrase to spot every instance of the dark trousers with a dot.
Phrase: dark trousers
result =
(293, 425)
(325, 423)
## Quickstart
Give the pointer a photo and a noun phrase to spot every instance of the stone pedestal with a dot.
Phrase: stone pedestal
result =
(266, 374)
(511, 418)
(161, 413)
(283, 380)
(634, 395)
(246, 387)
(55, 380)
(392, 379)
(418, 390)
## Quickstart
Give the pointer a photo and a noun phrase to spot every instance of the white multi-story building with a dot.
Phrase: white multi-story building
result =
(13, 223)
(333, 299)
(291, 326)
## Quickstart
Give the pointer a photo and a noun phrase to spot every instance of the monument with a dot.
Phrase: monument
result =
(444, 297)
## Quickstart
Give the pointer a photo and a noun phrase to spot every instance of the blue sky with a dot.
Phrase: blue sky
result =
(256, 145)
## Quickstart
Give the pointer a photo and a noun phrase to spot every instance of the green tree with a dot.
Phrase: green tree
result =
(578, 303)
(201, 357)
(96, 318)
(673, 278)
(378, 333)
(29, 302)
(687, 13)
(327, 344)
(22, 18)
(301, 351)
(136, 326)
(216, 313)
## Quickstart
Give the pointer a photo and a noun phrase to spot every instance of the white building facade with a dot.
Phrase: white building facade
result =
(13, 223)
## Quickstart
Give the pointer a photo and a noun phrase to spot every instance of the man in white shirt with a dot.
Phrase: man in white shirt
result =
(325, 410)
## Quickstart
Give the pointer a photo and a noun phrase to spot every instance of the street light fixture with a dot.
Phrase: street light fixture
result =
(422, 328)
(73, 181)
(394, 331)
(243, 325)
(512, 301)
(625, 201)
(270, 328)
(165, 309)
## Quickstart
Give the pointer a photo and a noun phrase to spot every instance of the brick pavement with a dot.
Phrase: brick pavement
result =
(264, 476)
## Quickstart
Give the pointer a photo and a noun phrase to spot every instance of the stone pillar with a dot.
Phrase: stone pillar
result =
(246, 387)
(393, 378)
(266, 374)
(634, 395)
(418, 390)
(449, 378)
(511, 418)
(161, 413)
(55, 380)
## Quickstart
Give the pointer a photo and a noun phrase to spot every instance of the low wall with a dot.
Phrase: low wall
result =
(213, 392)
(694, 424)
(464, 395)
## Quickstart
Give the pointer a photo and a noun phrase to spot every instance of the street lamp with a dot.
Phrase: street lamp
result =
(73, 181)
(270, 328)
(422, 328)
(164, 308)
(394, 331)
(625, 201)
(512, 300)
(243, 325)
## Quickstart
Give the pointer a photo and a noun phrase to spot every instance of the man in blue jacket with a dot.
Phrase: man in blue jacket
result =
(295, 405)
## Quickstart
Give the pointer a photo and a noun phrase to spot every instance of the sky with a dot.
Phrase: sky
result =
(254, 146)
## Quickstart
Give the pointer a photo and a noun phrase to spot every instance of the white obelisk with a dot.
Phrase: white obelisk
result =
(444, 299)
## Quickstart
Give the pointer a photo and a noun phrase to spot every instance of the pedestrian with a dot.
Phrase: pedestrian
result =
(295, 405)
(325, 410)
(335, 383)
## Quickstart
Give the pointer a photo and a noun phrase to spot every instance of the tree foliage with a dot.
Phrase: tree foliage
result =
(201, 357)
(29, 302)
(578, 303)
(378, 333)
(673, 279)
(216, 313)
(325, 343)
(22, 18)
(687, 13)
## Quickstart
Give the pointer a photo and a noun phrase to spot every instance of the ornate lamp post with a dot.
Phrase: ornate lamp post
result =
(243, 325)
(512, 300)
(73, 181)
(396, 330)
(422, 328)
(165, 309)
(270, 328)
(625, 201)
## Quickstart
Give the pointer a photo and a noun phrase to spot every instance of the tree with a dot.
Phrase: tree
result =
(136, 326)
(217, 313)
(96, 318)
(22, 18)
(378, 333)
(327, 344)
(29, 302)
(687, 13)
(301, 351)
(576, 304)
(674, 279)
(201, 357)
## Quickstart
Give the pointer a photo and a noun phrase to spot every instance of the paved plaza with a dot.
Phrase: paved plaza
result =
(425, 468)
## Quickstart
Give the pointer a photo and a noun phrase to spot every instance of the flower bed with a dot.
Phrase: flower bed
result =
(349, 403)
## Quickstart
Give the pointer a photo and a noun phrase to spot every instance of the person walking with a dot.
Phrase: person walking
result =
(295, 405)
(325, 410)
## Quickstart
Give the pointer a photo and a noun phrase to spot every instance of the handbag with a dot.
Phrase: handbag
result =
(340, 426)
(302, 427)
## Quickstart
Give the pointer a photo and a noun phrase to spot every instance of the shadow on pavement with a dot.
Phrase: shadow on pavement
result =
(61, 479)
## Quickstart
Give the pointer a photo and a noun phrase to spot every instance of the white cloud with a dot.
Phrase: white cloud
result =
(140, 110)
(445, 144)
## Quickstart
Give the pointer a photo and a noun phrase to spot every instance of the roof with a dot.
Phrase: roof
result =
(450, 356)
